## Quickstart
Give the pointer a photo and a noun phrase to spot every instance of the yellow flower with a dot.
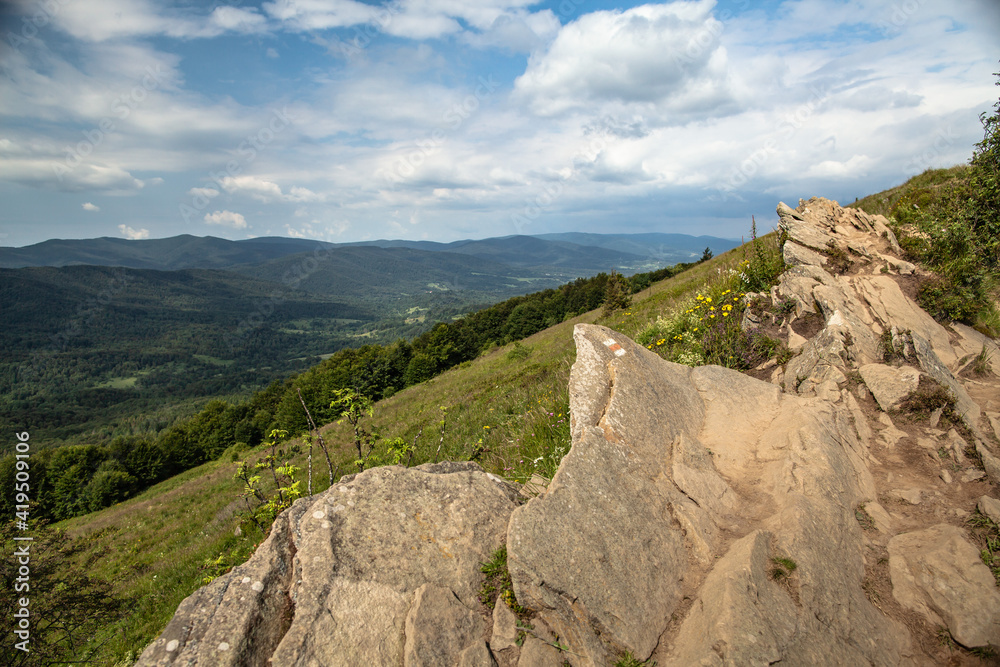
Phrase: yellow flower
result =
(725, 314)
(711, 308)
(713, 316)
(708, 299)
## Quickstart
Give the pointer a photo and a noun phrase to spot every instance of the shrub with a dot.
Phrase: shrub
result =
(763, 261)
(617, 294)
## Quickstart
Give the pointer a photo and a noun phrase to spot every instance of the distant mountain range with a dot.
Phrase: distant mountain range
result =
(99, 329)
(569, 253)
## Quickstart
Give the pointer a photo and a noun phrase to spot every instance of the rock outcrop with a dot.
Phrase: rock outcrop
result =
(701, 517)
(384, 564)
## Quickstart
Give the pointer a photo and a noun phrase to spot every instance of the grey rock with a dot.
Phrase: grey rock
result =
(911, 496)
(967, 408)
(504, 627)
(439, 628)
(637, 497)
(990, 461)
(795, 254)
(345, 566)
(890, 385)
(536, 653)
(989, 507)
(938, 573)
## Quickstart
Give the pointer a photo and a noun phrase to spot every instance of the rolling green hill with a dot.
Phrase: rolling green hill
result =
(86, 349)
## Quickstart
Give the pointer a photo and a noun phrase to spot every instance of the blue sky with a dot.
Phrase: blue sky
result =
(345, 120)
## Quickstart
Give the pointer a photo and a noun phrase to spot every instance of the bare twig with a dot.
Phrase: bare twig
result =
(322, 443)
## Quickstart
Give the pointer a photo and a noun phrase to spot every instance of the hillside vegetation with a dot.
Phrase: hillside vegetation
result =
(465, 391)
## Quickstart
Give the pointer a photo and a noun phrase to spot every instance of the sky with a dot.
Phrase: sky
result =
(350, 120)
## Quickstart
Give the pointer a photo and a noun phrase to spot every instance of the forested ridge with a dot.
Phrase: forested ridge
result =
(76, 479)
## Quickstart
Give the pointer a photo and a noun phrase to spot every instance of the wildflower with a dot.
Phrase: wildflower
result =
(708, 299)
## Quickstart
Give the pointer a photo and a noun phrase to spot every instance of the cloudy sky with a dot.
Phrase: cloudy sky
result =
(347, 120)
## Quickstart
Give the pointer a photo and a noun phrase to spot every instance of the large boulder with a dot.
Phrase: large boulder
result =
(938, 573)
(382, 568)
(671, 463)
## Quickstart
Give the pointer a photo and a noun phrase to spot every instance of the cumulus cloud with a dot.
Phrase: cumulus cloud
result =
(133, 234)
(87, 206)
(226, 219)
(208, 193)
(518, 31)
(668, 57)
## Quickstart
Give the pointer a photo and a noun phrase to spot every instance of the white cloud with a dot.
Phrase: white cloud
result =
(666, 59)
(517, 31)
(51, 173)
(87, 206)
(226, 219)
(101, 20)
(208, 193)
(236, 19)
(266, 191)
(322, 14)
(272, 52)
(133, 234)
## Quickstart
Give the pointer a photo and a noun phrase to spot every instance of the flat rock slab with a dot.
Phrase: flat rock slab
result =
(990, 508)
(937, 572)
(890, 385)
(361, 574)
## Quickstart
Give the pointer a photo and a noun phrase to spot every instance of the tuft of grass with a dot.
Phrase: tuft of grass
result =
(981, 364)
(987, 536)
(864, 518)
(928, 397)
(839, 261)
(783, 568)
(629, 660)
(497, 585)
(518, 352)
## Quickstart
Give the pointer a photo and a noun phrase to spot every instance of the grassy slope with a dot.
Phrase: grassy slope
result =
(512, 403)
(886, 202)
